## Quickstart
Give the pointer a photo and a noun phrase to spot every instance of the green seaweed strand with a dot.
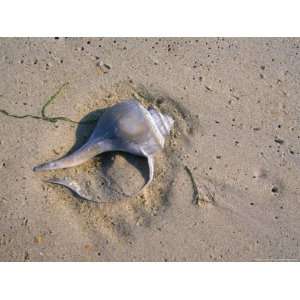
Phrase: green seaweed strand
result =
(44, 116)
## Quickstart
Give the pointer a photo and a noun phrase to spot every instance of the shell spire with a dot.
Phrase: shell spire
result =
(163, 122)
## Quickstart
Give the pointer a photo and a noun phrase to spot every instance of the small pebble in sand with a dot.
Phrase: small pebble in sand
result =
(103, 66)
(38, 239)
(278, 141)
(260, 173)
(275, 189)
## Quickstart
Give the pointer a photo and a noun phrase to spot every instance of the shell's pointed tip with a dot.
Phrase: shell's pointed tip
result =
(38, 168)
(51, 180)
(35, 169)
(44, 167)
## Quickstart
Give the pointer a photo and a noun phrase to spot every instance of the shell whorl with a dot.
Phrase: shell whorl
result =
(164, 123)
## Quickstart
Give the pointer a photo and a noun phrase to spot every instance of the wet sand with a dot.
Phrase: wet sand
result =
(226, 187)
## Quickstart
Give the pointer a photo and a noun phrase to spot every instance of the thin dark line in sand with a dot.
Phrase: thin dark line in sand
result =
(196, 194)
(202, 194)
(44, 116)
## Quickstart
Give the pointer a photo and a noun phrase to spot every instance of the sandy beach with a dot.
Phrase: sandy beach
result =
(226, 186)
